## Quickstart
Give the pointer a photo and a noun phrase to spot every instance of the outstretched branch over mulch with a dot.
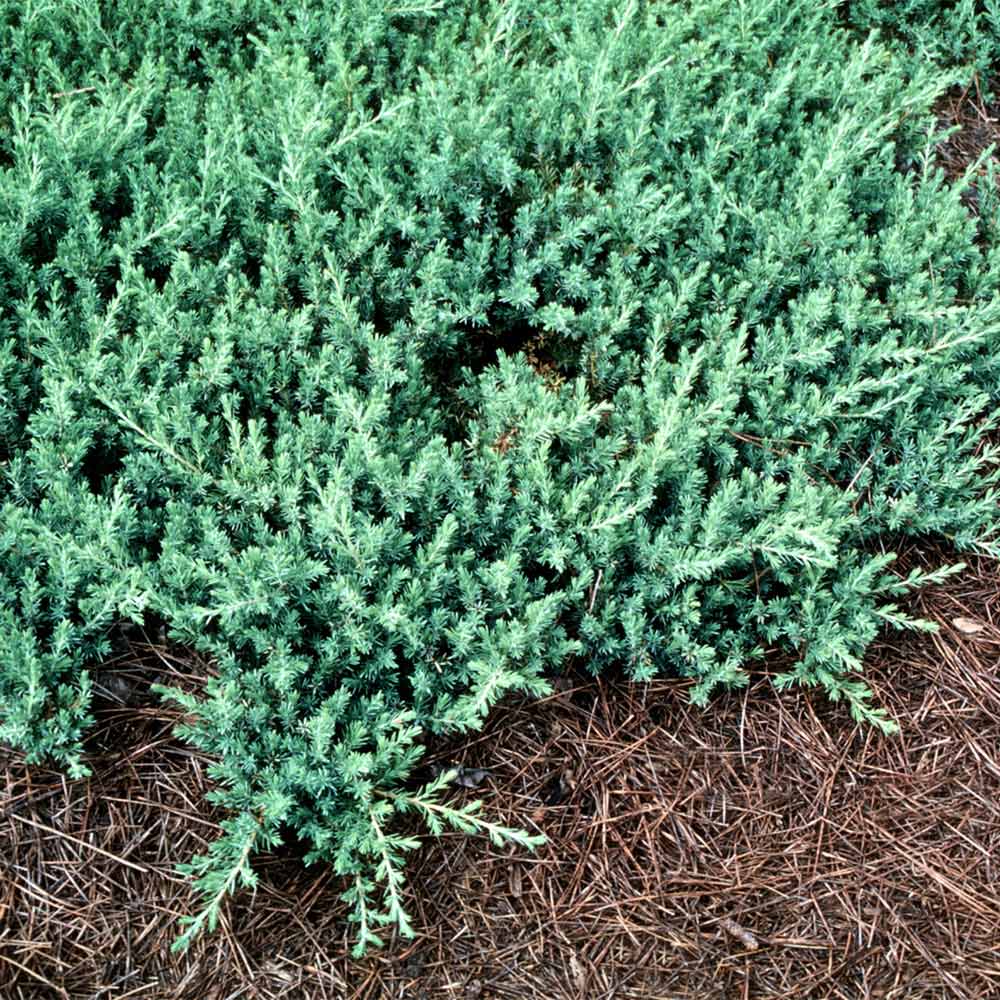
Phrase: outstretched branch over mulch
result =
(768, 847)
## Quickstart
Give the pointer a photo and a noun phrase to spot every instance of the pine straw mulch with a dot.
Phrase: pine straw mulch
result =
(768, 847)
(976, 113)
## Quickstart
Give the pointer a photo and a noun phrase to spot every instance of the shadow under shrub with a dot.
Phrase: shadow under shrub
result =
(269, 370)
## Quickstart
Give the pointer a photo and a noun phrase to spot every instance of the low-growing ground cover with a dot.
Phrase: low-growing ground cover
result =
(399, 358)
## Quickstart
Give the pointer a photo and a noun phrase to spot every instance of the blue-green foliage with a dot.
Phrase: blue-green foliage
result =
(950, 32)
(398, 355)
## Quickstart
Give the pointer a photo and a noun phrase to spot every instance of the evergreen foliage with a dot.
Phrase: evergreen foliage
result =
(396, 356)
(951, 32)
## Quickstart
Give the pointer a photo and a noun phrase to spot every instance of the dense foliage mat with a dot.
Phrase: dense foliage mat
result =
(396, 356)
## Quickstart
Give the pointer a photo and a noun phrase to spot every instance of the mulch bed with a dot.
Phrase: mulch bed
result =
(767, 847)
(977, 116)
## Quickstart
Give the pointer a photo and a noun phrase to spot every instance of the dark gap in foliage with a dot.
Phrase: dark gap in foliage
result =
(112, 276)
(114, 207)
(294, 295)
(103, 464)
(252, 265)
(194, 67)
(41, 244)
(537, 347)
(156, 270)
